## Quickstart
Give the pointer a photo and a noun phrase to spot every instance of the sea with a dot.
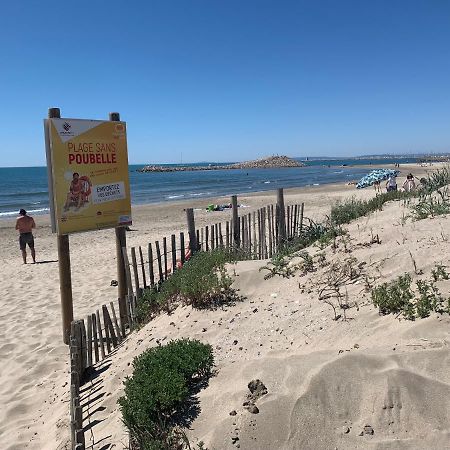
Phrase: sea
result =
(27, 187)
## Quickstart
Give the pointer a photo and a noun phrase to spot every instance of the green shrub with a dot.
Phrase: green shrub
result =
(431, 205)
(394, 297)
(158, 392)
(202, 282)
(430, 299)
(352, 209)
(439, 273)
(397, 297)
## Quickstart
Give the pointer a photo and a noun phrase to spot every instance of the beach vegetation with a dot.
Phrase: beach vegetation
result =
(202, 282)
(346, 211)
(398, 297)
(159, 397)
(432, 204)
(434, 199)
(439, 273)
(333, 285)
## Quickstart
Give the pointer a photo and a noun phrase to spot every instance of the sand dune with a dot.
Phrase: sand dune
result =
(323, 376)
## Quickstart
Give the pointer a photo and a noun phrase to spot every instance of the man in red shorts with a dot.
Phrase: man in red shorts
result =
(25, 225)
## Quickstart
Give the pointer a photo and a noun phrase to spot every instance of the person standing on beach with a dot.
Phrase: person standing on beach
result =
(391, 184)
(25, 225)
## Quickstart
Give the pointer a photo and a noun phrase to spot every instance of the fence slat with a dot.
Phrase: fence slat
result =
(255, 242)
(109, 325)
(116, 325)
(182, 250)
(100, 334)
(158, 257)
(89, 341)
(227, 234)
(165, 257)
(94, 333)
(144, 278)
(106, 329)
(263, 232)
(173, 245)
(212, 238)
(150, 265)
(301, 216)
(216, 229)
(220, 235)
(83, 347)
(207, 238)
(135, 271)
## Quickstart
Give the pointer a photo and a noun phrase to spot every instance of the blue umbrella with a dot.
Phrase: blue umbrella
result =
(376, 175)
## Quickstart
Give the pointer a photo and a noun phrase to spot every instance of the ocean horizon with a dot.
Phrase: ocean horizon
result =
(27, 187)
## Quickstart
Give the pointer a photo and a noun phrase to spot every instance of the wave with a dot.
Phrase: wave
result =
(15, 213)
(174, 196)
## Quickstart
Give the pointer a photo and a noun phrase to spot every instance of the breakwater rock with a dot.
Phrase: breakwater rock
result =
(264, 163)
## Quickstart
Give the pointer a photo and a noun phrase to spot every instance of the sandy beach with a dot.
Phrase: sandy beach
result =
(323, 376)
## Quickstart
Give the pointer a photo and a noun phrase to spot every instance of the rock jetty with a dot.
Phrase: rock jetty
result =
(264, 163)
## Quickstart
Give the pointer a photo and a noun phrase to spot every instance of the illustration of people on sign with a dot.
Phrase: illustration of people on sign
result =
(79, 191)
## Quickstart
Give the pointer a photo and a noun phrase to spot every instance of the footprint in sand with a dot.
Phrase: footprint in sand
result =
(392, 406)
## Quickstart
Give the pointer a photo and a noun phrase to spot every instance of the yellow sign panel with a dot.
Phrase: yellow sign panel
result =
(89, 174)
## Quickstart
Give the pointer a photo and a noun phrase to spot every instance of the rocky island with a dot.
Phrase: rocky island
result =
(265, 163)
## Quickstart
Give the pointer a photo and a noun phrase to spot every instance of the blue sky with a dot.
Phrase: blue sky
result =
(230, 80)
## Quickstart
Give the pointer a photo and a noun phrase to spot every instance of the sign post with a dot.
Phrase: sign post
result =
(121, 242)
(65, 276)
(89, 190)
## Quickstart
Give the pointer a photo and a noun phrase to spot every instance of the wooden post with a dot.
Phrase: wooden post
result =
(89, 341)
(269, 230)
(249, 235)
(173, 244)
(255, 242)
(201, 239)
(212, 238)
(191, 230)
(135, 271)
(100, 334)
(264, 244)
(158, 256)
(220, 235)
(281, 216)
(234, 205)
(94, 332)
(295, 220)
(272, 221)
(259, 235)
(83, 346)
(121, 241)
(144, 278)
(242, 231)
(165, 257)
(116, 325)
(216, 229)
(288, 222)
(301, 217)
(182, 254)
(107, 335)
(150, 267)
(207, 238)
(65, 277)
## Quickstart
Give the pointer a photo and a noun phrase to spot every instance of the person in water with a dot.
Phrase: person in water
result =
(25, 225)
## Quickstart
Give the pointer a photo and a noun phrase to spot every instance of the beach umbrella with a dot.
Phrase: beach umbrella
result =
(376, 175)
